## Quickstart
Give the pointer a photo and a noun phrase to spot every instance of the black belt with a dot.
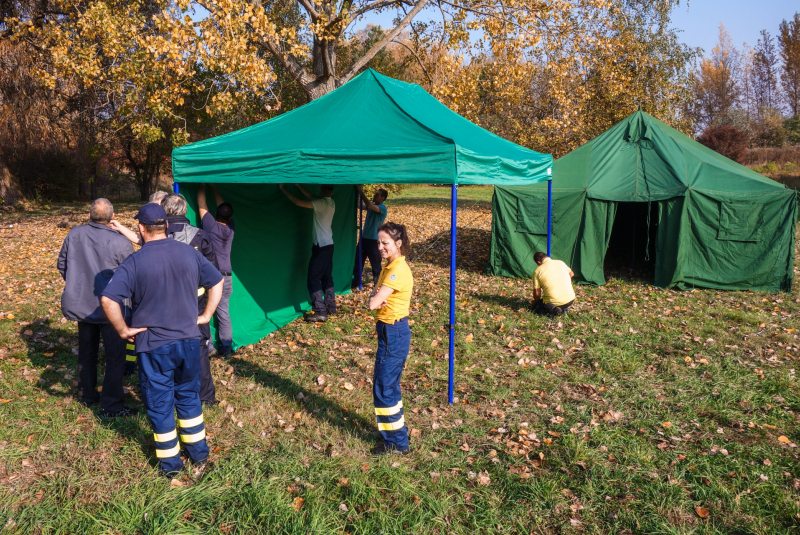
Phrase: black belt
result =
(226, 273)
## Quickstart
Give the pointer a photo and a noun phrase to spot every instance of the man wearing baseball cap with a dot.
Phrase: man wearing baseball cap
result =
(162, 280)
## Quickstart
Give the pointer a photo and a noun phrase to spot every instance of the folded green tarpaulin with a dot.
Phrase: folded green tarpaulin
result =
(371, 130)
(719, 224)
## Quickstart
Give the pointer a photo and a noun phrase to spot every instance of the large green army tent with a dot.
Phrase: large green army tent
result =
(373, 129)
(644, 189)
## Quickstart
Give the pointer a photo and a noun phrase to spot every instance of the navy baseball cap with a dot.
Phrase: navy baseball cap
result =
(150, 213)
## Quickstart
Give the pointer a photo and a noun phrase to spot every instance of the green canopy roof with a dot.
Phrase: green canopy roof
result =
(698, 218)
(373, 129)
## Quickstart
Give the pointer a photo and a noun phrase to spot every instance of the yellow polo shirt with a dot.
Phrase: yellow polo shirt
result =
(397, 276)
(554, 280)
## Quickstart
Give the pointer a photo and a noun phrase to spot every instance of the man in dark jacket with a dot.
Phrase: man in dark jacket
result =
(180, 230)
(88, 259)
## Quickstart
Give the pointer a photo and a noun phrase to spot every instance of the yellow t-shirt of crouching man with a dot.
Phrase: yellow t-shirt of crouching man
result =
(397, 276)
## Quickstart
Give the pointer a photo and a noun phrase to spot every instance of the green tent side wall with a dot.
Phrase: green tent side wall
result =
(719, 224)
(271, 249)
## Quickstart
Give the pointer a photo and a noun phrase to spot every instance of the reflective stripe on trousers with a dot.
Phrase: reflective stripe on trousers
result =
(394, 341)
(170, 378)
(130, 352)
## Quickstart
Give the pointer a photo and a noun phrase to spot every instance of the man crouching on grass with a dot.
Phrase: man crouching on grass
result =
(552, 286)
(162, 281)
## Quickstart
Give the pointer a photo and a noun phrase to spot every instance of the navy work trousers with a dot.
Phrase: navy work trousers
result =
(369, 250)
(394, 341)
(111, 399)
(320, 280)
(170, 377)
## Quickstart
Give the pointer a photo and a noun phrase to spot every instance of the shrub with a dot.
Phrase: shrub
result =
(792, 127)
(726, 140)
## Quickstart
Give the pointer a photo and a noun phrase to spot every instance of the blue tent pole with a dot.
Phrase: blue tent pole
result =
(176, 188)
(549, 215)
(453, 209)
(360, 240)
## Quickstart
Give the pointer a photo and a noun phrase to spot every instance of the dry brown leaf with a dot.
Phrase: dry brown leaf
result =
(464, 447)
(348, 386)
(297, 503)
(784, 440)
(702, 512)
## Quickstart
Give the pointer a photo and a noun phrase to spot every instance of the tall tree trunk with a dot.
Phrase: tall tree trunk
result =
(93, 180)
(10, 188)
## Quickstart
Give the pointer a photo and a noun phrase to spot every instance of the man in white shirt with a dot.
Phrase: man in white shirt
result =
(320, 267)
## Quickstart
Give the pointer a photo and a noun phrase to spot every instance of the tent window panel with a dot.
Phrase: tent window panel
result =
(532, 215)
(740, 221)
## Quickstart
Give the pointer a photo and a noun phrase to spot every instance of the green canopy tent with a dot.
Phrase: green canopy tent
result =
(700, 218)
(373, 129)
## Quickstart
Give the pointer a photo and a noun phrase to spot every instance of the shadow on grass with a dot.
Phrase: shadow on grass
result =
(512, 302)
(472, 249)
(318, 406)
(49, 339)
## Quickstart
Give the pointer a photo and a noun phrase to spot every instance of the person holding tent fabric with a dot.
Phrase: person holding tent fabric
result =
(391, 297)
(552, 286)
(220, 229)
(376, 215)
(320, 268)
(167, 337)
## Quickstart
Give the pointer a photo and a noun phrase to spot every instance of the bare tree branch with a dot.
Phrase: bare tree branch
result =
(313, 13)
(419, 60)
(383, 42)
(378, 4)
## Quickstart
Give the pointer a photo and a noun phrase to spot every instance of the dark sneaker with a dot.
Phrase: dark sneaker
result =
(209, 403)
(313, 317)
(557, 311)
(383, 450)
(122, 413)
(212, 351)
(225, 356)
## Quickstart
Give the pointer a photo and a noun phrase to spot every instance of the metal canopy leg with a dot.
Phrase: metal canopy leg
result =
(549, 215)
(453, 210)
(360, 241)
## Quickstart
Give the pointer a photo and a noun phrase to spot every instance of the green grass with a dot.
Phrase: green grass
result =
(438, 195)
(624, 417)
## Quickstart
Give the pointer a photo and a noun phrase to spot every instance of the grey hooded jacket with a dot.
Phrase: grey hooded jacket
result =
(88, 259)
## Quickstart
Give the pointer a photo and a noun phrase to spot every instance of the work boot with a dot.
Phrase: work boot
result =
(313, 317)
(383, 450)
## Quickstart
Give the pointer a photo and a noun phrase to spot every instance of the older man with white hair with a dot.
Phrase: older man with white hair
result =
(88, 259)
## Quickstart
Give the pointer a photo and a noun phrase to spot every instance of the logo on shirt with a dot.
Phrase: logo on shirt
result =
(392, 277)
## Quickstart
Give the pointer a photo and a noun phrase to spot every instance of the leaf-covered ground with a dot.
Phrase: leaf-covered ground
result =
(643, 411)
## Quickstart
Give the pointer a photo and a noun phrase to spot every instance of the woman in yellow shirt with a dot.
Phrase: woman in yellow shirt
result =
(391, 297)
